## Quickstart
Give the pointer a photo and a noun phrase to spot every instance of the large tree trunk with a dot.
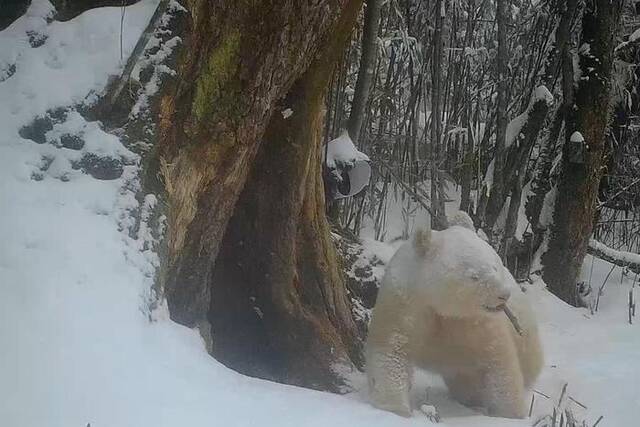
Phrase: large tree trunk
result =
(581, 163)
(249, 255)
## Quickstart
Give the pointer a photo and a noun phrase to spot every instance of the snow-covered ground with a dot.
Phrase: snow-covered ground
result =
(76, 343)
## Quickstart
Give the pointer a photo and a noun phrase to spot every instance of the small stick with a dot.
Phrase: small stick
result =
(633, 308)
(553, 419)
(576, 402)
(564, 390)
(541, 393)
(630, 306)
(602, 287)
(533, 399)
(571, 420)
(541, 419)
(513, 319)
(599, 419)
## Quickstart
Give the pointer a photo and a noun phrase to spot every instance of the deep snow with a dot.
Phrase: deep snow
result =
(77, 346)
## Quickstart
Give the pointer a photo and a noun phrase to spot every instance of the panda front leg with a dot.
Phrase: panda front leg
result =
(389, 375)
(504, 389)
(388, 365)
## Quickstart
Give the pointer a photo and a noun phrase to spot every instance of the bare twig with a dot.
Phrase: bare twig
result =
(533, 399)
(539, 422)
(577, 403)
(564, 390)
(631, 306)
(541, 393)
(602, 287)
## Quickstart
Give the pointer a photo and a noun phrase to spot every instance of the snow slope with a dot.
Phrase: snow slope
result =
(597, 354)
(77, 345)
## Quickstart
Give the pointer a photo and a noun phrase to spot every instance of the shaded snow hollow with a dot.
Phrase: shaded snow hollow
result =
(77, 343)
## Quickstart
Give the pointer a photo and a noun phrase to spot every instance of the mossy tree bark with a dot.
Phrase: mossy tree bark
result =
(250, 260)
(577, 194)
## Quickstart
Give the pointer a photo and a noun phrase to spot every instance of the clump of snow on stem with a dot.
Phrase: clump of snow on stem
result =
(577, 137)
(341, 152)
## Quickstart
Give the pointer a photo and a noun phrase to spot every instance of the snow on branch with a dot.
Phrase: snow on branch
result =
(516, 126)
(619, 258)
(523, 129)
(341, 152)
(349, 169)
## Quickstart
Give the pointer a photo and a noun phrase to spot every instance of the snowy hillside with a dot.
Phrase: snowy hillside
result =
(77, 345)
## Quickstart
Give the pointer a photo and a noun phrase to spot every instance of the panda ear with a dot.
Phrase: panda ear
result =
(422, 240)
(462, 219)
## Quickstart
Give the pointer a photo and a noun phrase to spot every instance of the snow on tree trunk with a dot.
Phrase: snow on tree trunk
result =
(577, 193)
(249, 256)
(522, 134)
(559, 59)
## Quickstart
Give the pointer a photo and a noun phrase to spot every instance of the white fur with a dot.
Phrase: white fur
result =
(462, 219)
(433, 312)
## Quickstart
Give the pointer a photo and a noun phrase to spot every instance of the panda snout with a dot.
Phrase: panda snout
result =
(501, 296)
(504, 297)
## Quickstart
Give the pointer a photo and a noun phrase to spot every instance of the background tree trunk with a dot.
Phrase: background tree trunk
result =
(258, 274)
(468, 159)
(559, 62)
(437, 150)
(366, 69)
(502, 61)
(578, 187)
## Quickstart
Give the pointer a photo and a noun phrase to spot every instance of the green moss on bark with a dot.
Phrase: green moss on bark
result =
(215, 86)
